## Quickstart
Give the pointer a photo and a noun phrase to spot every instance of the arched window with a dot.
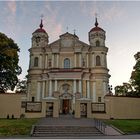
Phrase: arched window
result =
(98, 61)
(36, 62)
(97, 43)
(67, 63)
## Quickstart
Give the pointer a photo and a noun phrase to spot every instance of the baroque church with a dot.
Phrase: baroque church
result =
(67, 74)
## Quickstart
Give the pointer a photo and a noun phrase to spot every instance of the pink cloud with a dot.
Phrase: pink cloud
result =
(52, 26)
(12, 6)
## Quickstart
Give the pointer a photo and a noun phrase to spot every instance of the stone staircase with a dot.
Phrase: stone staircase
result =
(60, 131)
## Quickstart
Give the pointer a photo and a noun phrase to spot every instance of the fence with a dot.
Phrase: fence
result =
(100, 125)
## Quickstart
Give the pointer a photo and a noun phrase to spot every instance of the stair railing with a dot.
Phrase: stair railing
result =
(32, 130)
(101, 126)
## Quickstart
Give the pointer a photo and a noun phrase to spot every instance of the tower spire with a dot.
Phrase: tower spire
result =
(96, 22)
(41, 24)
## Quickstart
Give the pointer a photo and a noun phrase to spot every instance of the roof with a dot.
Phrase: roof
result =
(96, 29)
(40, 30)
(67, 33)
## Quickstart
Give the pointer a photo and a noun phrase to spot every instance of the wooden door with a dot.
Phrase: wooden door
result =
(66, 106)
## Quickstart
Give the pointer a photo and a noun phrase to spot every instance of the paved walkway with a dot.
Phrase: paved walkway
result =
(93, 137)
(66, 120)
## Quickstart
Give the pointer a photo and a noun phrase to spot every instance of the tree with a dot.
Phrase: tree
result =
(125, 89)
(135, 75)
(21, 86)
(9, 68)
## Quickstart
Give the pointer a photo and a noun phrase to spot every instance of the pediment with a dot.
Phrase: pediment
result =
(69, 40)
(66, 96)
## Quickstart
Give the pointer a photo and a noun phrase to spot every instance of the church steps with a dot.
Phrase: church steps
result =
(65, 131)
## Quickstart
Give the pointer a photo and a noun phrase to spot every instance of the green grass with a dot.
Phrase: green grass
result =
(127, 126)
(16, 127)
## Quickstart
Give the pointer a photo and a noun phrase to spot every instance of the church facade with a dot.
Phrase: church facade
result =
(67, 72)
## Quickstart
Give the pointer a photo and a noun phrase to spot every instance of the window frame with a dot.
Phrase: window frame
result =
(66, 63)
(36, 60)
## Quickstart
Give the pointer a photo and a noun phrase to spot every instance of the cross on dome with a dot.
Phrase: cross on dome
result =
(41, 24)
(96, 22)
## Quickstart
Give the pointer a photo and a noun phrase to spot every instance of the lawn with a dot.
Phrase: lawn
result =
(13, 127)
(127, 126)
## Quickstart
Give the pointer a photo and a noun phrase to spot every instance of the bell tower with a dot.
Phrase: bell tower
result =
(40, 37)
(37, 61)
(97, 36)
(99, 68)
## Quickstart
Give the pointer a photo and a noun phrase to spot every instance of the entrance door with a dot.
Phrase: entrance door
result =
(83, 109)
(66, 106)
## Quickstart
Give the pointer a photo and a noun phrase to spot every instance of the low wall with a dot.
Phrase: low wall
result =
(116, 107)
(10, 104)
(123, 107)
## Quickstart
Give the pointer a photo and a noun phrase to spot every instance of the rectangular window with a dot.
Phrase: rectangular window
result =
(98, 107)
(33, 107)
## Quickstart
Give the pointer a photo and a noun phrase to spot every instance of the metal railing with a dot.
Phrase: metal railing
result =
(101, 126)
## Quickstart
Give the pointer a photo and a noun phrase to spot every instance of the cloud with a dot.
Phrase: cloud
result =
(12, 6)
(113, 13)
(53, 27)
(105, 10)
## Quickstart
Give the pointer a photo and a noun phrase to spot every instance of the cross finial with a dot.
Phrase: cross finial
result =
(41, 24)
(74, 31)
(96, 15)
(67, 28)
(96, 22)
(42, 16)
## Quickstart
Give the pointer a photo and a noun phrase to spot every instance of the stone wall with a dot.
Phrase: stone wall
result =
(116, 107)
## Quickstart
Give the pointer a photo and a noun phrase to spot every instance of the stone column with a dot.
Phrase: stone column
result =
(88, 89)
(74, 90)
(31, 61)
(46, 61)
(105, 60)
(84, 88)
(28, 92)
(57, 61)
(43, 90)
(40, 62)
(50, 88)
(74, 59)
(38, 91)
(93, 60)
(87, 61)
(80, 88)
(94, 92)
(52, 60)
(55, 88)
(80, 61)
(104, 88)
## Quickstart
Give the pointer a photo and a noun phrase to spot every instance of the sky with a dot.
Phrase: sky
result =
(120, 20)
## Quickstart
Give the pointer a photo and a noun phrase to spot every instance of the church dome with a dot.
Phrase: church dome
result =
(40, 30)
(96, 28)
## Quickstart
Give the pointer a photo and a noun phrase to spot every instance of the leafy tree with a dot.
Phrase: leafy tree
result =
(9, 69)
(135, 76)
(21, 86)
